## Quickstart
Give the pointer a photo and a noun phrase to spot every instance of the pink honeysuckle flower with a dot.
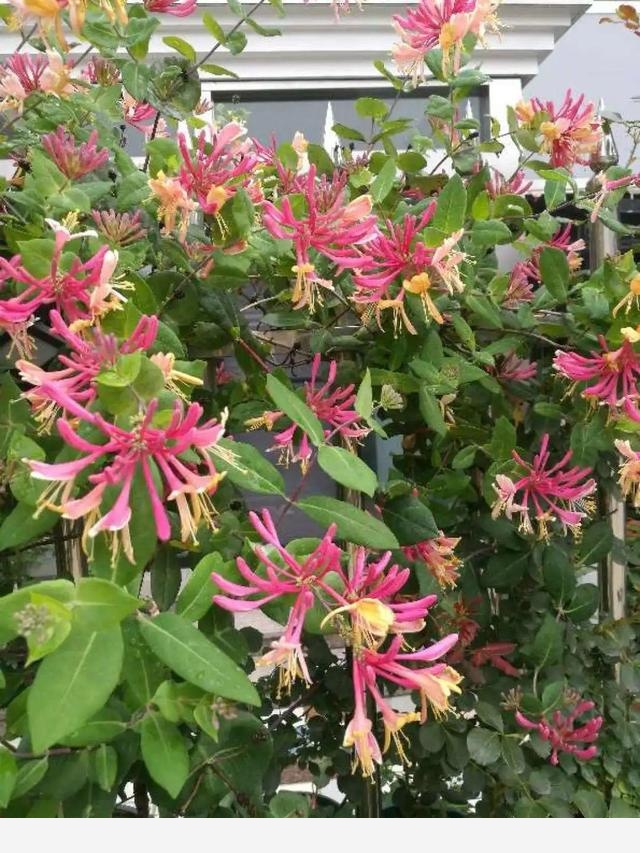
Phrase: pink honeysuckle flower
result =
(515, 369)
(549, 492)
(179, 8)
(525, 275)
(570, 132)
(223, 376)
(20, 75)
(520, 289)
(398, 263)
(101, 71)
(136, 113)
(330, 225)
(443, 24)
(282, 574)
(609, 186)
(498, 185)
(88, 354)
(74, 161)
(494, 654)
(561, 733)
(562, 240)
(333, 406)
(434, 683)
(120, 229)
(613, 375)
(370, 598)
(156, 453)
(359, 731)
(437, 555)
(174, 205)
(78, 290)
(629, 471)
(222, 162)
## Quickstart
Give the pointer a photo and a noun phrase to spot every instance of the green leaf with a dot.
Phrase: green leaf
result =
(29, 774)
(236, 42)
(558, 573)
(58, 626)
(451, 206)
(348, 132)
(136, 78)
(61, 590)
(364, 397)
(591, 803)
(554, 269)
(142, 672)
(552, 696)
(101, 604)
(218, 70)
(503, 439)
(269, 32)
(166, 577)
(73, 683)
(294, 408)
(513, 755)
(347, 469)
(464, 458)
(584, 602)
(410, 520)
(505, 570)
(548, 641)
(164, 753)
(8, 775)
(440, 107)
(195, 597)
(214, 27)
(371, 108)
(20, 526)
(383, 181)
(107, 724)
(181, 46)
(247, 468)
(354, 525)
(490, 715)
(243, 751)
(484, 746)
(289, 804)
(491, 232)
(595, 543)
(485, 309)
(103, 767)
(185, 650)
(411, 162)
(430, 410)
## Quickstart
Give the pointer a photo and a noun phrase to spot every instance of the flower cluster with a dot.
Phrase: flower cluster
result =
(525, 275)
(439, 558)
(549, 492)
(367, 609)
(79, 290)
(398, 262)
(329, 224)
(440, 24)
(570, 133)
(151, 446)
(332, 406)
(563, 735)
(612, 376)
